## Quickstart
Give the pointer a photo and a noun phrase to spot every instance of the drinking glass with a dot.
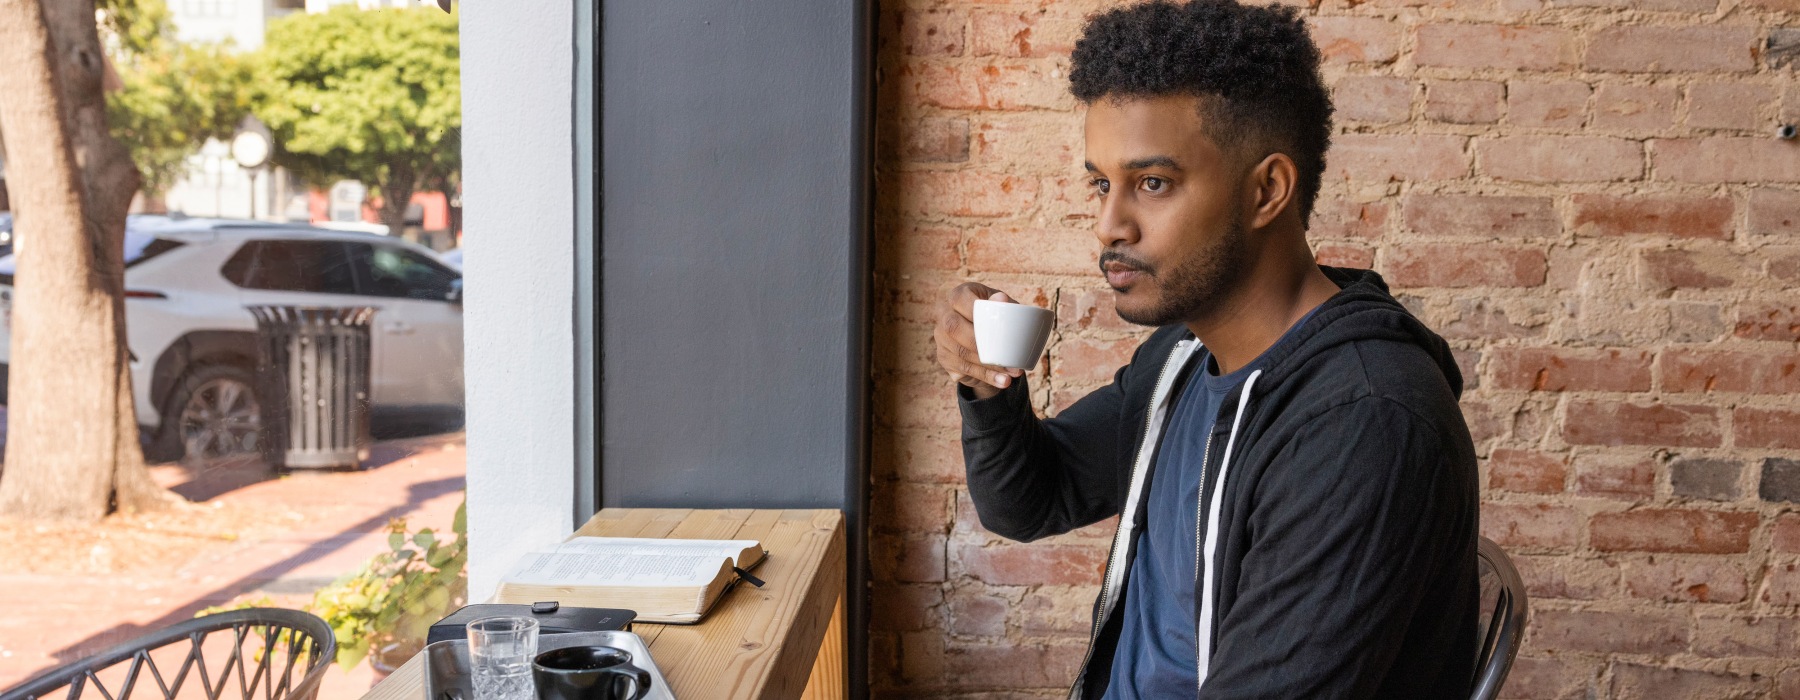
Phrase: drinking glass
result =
(500, 653)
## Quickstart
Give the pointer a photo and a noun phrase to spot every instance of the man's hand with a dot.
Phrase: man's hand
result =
(955, 336)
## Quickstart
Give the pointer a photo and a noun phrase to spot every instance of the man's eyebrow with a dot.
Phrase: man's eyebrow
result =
(1141, 163)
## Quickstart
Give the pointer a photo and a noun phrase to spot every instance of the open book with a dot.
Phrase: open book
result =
(671, 581)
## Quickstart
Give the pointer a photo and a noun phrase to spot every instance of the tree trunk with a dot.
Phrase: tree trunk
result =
(396, 196)
(72, 436)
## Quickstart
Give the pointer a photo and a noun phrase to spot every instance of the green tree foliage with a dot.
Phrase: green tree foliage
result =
(369, 95)
(173, 95)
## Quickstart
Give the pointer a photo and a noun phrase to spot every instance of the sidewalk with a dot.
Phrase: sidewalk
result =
(68, 591)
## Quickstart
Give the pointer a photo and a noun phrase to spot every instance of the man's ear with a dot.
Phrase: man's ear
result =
(1271, 187)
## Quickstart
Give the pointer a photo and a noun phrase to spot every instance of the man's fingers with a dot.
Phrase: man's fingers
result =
(962, 361)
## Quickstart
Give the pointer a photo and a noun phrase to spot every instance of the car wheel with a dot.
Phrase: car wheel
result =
(214, 412)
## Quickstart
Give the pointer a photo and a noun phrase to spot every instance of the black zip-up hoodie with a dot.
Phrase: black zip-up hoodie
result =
(1339, 559)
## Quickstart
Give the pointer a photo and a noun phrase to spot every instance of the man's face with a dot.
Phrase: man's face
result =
(1170, 219)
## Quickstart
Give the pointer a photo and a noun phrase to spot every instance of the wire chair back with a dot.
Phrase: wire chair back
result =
(1502, 627)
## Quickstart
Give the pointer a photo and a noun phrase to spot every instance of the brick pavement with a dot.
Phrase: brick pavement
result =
(337, 524)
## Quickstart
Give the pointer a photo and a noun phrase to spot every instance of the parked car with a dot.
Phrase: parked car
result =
(194, 345)
(452, 257)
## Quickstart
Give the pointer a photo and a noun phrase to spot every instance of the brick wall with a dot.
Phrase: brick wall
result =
(1584, 196)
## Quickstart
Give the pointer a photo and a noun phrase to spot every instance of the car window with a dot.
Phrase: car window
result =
(392, 271)
(292, 266)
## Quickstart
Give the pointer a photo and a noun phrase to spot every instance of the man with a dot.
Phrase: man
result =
(1296, 486)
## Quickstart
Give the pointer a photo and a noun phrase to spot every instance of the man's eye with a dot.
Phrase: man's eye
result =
(1100, 186)
(1155, 184)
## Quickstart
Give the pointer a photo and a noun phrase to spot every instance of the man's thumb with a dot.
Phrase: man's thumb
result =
(1001, 297)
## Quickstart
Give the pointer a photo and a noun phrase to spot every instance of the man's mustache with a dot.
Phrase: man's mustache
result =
(1113, 256)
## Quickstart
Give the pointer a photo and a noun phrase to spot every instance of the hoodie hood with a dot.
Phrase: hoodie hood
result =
(1363, 310)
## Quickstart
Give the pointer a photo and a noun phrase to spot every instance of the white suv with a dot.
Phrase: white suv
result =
(194, 345)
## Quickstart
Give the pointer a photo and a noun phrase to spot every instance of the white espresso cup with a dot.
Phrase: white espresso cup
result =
(1011, 335)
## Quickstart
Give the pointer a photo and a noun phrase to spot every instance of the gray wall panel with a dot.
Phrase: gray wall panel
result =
(733, 245)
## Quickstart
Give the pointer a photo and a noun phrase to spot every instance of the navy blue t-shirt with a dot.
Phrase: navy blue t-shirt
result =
(1157, 653)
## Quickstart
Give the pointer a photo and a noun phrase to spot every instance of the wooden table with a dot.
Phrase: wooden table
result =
(784, 640)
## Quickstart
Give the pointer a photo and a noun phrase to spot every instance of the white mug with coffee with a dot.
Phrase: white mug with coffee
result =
(1011, 335)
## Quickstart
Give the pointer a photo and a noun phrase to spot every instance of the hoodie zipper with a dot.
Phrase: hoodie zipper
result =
(1200, 520)
(1112, 552)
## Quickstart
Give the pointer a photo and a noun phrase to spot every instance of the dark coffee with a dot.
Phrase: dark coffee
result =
(589, 673)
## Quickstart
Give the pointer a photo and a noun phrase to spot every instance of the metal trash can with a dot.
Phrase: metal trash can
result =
(312, 371)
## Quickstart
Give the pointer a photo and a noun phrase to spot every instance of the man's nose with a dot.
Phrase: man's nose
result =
(1117, 224)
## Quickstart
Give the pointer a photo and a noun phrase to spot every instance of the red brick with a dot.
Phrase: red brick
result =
(1553, 369)
(1700, 370)
(1653, 49)
(1673, 531)
(906, 507)
(1787, 534)
(1613, 476)
(1455, 265)
(965, 193)
(1508, 47)
(1666, 270)
(1377, 157)
(932, 659)
(1032, 564)
(905, 607)
(907, 559)
(1783, 587)
(919, 456)
(1774, 212)
(1355, 39)
(1089, 360)
(1590, 422)
(1686, 580)
(1464, 101)
(1560, 104)
(1347, 219)
(1485, 422)
(1374, 99)
(920, 248)
(1004, 85)
(1609, 632)
(936, 32)
(1482, 216)
(1017, 142)
(918, 401)
(1650, 5)
(1561, 158)
(1625, 107)
(1532, 678)
(1057, 610)
(1728, 105)
(1766, 427)
(1721, 637)
(1768, 321)
(1680, 217)
(1641, 681)
(1776, 5)
(1563, 577)
(1028, 34)
(1783, 268)
(1717, 159)
(1337, 255)
(1533, 527)
(1086, 309)
(1526, 471)
(934, 140)
(975, 612)
(1480, 318)
(1065, 251)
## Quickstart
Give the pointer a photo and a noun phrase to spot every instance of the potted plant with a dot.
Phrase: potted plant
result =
(384, 610)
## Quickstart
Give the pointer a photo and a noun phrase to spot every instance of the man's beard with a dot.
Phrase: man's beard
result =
(1200, 281)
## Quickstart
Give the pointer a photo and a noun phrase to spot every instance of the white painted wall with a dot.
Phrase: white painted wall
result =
(518, 194)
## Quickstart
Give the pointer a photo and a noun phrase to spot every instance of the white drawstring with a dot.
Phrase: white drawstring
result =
(1203, 635)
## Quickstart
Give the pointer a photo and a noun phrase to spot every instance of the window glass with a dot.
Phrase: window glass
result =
(292, 266)
(392, 271)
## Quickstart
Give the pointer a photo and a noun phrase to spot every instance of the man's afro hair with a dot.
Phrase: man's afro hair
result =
(1255, 69)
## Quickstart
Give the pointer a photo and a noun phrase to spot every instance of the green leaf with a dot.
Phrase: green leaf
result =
(396, 540)
(424, 539)
(460, 525)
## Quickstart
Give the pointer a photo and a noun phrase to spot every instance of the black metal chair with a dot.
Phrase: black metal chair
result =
(1503, 627)
(259, 648)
